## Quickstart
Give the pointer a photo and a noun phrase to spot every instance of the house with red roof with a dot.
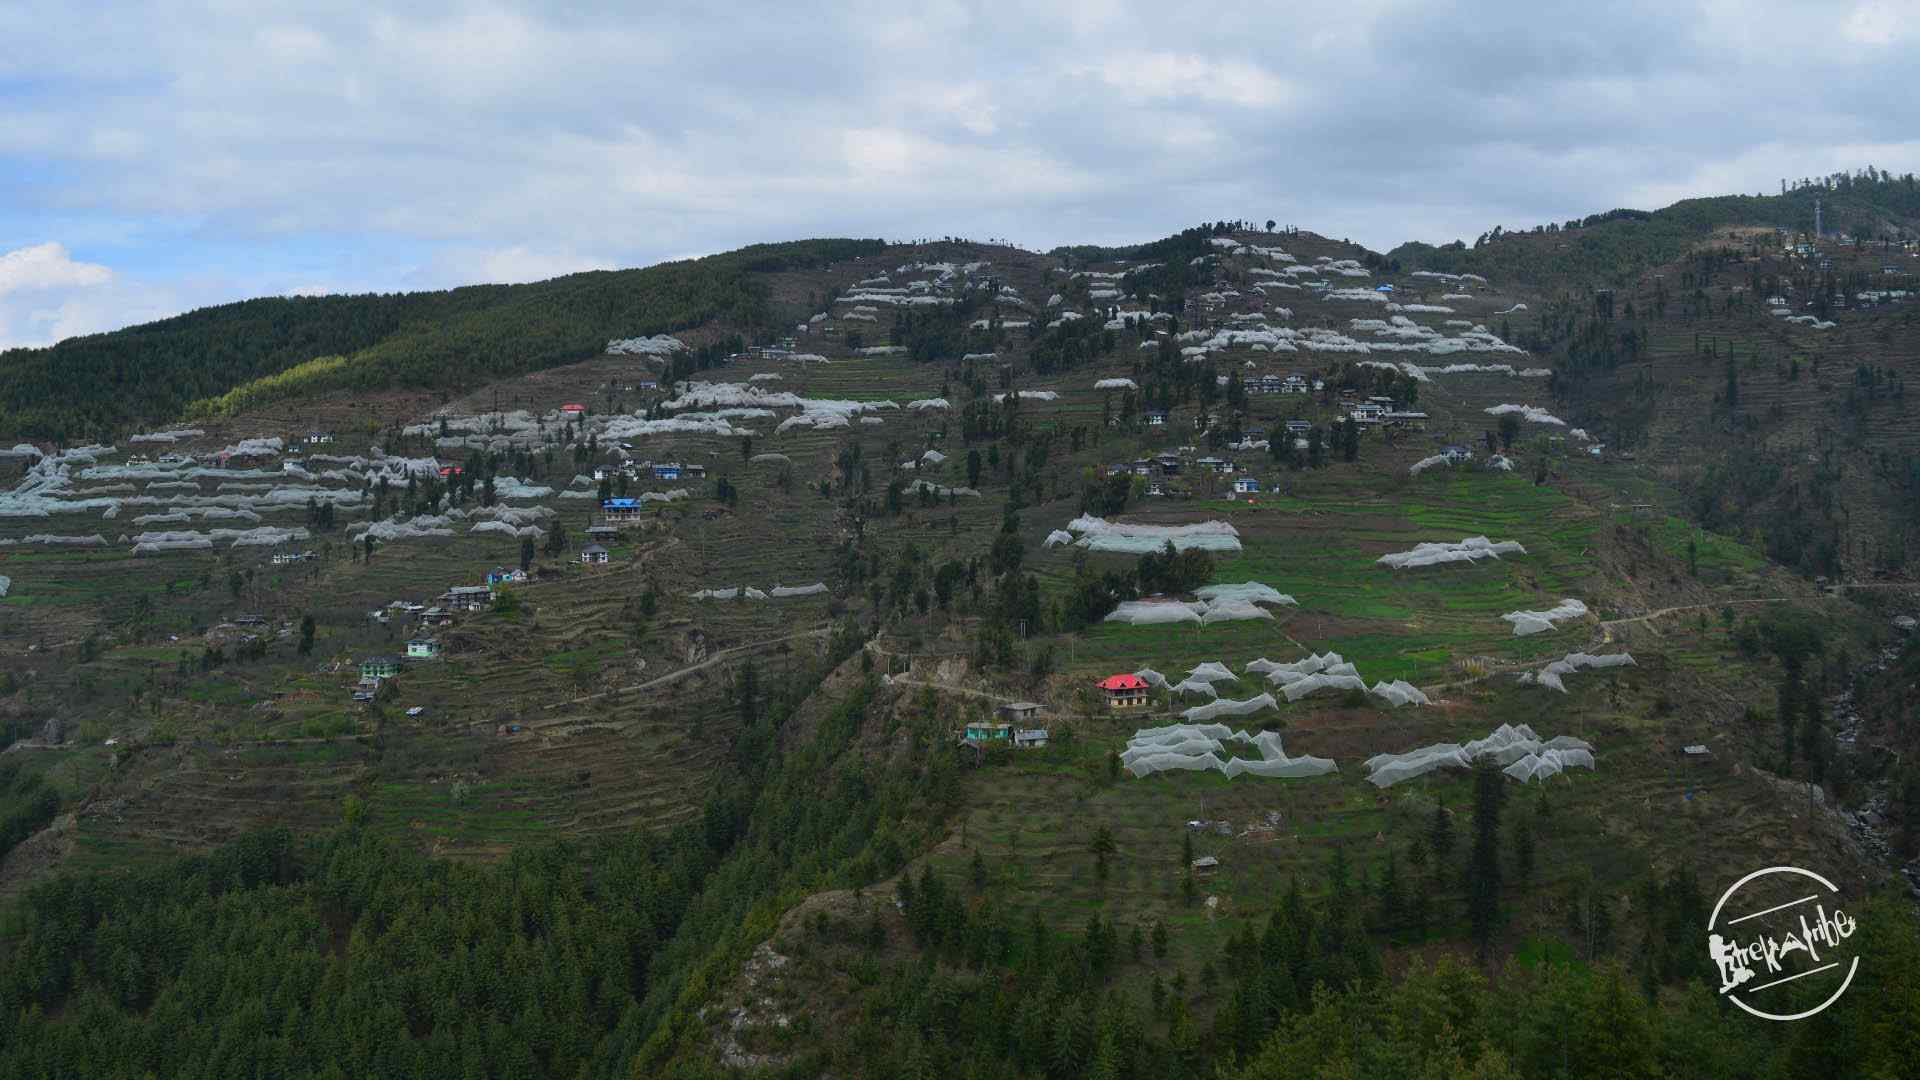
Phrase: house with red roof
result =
(1124, 691)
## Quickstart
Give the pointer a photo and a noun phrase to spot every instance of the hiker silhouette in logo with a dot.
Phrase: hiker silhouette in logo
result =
(1733, 969)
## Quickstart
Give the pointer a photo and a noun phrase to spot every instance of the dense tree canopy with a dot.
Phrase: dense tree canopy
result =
(222, 359)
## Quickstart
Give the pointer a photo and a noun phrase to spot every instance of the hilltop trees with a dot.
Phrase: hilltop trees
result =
(223, 360)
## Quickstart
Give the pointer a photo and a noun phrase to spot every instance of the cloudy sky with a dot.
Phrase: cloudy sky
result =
(160, 156)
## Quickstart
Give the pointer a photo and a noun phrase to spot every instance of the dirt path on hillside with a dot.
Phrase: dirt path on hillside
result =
(901, 680)
(722, 655)
(1607, 625)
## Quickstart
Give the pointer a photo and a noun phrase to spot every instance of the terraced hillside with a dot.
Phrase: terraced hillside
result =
(839, 527)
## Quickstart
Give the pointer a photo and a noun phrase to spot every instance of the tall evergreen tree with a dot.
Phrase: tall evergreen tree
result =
(1483, 870)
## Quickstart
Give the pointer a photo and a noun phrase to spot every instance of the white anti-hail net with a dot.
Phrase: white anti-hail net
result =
(1550, 676)
(1536, 622)
(1193, 747)
(1518, 750)
(1470, 549)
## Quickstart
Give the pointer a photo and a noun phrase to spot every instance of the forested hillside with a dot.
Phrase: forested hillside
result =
(225, 357)
(775, 718)
(219, 359)
(1609, 249)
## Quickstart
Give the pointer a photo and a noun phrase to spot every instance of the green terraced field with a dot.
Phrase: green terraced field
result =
(1411, 624)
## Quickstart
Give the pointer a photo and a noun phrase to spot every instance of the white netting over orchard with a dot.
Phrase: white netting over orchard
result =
(418, 527)
(1099, 534)
(658, 345)
(941, 490)
(1196, 747)
(1571, 663)
(1213, 710)
(1218, 603)
(1313, 684)
(1233, 610)
(778, 592)
(1399, 692)
(1539, 622)
(1527, 412)
(1317, 672)
(1210, 671)
(1386, 770)
(1471, 549)
(1519, 750)
(1548, 763)
(1252, 592)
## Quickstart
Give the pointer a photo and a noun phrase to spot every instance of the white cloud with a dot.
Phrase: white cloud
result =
(1878, 23)
(1148, 76)
(42, 316)
(47, 266)
(514, 265)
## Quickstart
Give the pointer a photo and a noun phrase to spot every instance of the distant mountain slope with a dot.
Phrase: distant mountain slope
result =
(92, 387)
(1611, 248)
(219, 359)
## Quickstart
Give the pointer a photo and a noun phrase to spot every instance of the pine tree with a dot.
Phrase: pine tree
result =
(1389, 895)
(1523, 850)
(1440, 837)
(1789, 700)
(1159, 939)
(1483, 876)
(1099, 946)
(1421, 909)
(1813, 739)
(1102, 848)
